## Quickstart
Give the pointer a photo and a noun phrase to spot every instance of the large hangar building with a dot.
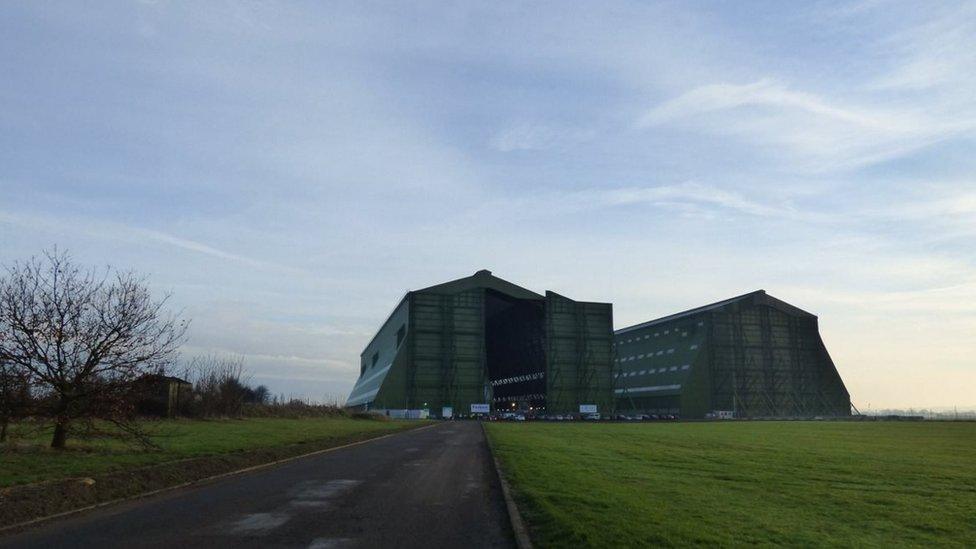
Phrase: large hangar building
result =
(483, 340)
(751, 356)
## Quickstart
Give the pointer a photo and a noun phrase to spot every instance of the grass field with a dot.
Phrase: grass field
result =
(179, 439)
(871, 484)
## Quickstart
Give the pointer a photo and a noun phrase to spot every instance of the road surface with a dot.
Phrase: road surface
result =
(429, 488)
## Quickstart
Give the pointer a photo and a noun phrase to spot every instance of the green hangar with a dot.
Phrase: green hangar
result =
(751, 356)
(480, 341)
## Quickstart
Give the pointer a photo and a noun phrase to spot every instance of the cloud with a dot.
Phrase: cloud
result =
(702, 196)
(931, 203)
(691, 192)
(533, 137)
(819, 134)
(766, 93)
(938, 54)
(106, 230)
(853, 8)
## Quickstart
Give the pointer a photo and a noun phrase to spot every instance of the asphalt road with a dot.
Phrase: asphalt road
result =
(429, 488)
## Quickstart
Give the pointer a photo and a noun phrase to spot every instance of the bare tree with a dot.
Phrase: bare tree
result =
(80, 338)
(220, 383)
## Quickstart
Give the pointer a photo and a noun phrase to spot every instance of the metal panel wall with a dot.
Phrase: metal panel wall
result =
(656, 364)
(578, 354)
(378, 357)
(448, 356)
(767, 363)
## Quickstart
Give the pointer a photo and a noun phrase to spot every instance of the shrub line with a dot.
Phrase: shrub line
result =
(522, 539)
(13, 527)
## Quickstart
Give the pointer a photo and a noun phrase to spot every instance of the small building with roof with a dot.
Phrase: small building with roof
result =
(162, 395)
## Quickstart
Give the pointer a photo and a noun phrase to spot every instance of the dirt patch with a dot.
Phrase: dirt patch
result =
(31, 501)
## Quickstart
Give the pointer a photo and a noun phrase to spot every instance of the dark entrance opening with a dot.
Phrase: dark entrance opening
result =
(515, 351)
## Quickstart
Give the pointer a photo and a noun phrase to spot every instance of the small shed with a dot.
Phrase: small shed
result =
(162, 395)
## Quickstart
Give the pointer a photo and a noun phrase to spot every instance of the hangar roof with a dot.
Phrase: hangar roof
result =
(482, 279)
(759, 297)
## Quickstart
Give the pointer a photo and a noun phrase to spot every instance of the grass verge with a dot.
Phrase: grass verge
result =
(36, 481)
(743, 483)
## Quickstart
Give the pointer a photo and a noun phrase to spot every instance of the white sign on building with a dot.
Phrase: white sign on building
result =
(587, 408)
(480, 408)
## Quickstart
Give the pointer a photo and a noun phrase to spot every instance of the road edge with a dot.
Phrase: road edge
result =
(522, 539)
(26, 524)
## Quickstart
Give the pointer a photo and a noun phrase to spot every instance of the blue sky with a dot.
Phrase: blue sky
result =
(288, 171)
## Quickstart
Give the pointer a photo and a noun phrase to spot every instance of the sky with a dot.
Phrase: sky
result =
(287, 171)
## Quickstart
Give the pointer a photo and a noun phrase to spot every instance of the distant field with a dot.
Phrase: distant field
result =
(31, 461)
(743, 483)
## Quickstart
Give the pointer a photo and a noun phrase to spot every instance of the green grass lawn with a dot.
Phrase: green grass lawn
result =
(32, 462)
(871, 484)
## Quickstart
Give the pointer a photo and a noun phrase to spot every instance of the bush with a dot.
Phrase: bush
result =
(370, 415)
(221, 388)
(293, 408)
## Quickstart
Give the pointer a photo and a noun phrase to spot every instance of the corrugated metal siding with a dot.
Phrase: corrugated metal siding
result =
(392, 394)
(448, 366)
(578, 354)
(384, 347)
(767, 363)
(443, 360)
(654, 364)
(754, 355)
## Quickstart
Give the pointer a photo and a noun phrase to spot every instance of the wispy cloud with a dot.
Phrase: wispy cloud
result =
(535, 137)
(936, 55)
(958, 298)
(818, 134)
(106, 230)
(771, 94)
(691, 192)
(702, 196)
